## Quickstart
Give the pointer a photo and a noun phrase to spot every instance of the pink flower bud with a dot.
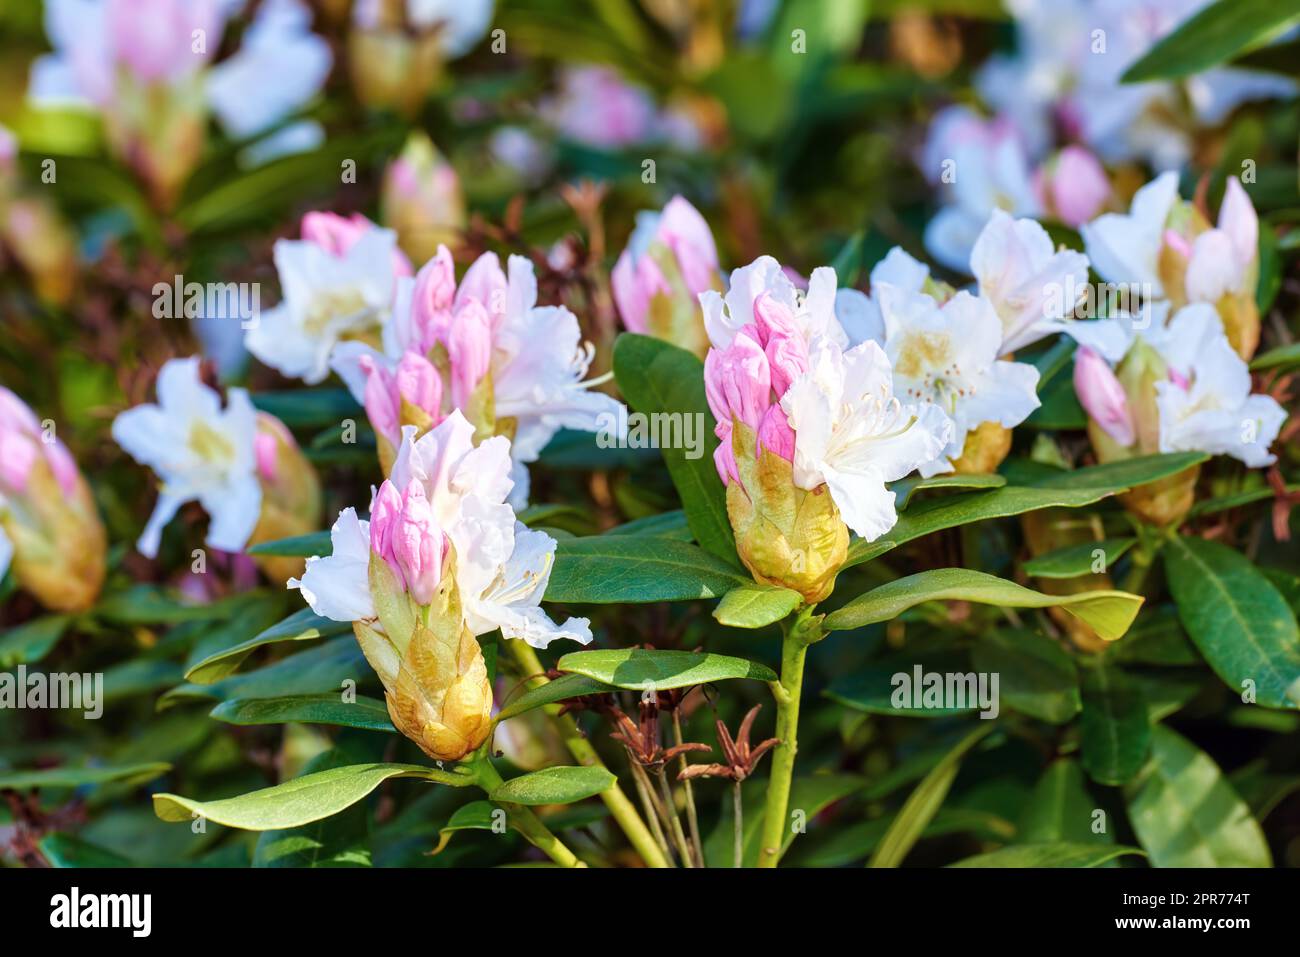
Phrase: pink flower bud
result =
(337, 235)
(469, 349)
(775, 434)
(432, 298)
(264, 453)
(737, 380)
(1102, 396)
(485, 281)
(724, 456)
(638, 277)
(418, 544)
(385, 515)
(1074, 184)
(418, 383)
(379, 400)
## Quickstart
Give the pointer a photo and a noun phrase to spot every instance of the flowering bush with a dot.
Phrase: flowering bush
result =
(678, 434)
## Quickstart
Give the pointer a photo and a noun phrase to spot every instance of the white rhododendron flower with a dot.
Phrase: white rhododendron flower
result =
(337, 281)
(1206, 404)
(853, 434)
(946, 356)
(1032, 286)
(500, 566)
(1125, 247)
(200, 451)
(1222, 260)
(821, 311)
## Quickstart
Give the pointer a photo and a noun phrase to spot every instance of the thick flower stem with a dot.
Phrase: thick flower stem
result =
(794, 648)
(525, 821)
(620, 807)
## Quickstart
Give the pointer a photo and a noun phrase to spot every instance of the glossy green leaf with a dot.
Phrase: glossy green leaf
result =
(65, 850)
(640, 669)
(664, 525)
(657, 376)
(951, 511)
(1075, 560)
(606, 569)
(1109, 613)
(923, 803)
(1124, 473)
(904, 489)
(1237, 618)
(1186, 814)
(31, 641)
(474, 816)
(1061, 854)
(1115, 727)
(1212, 36)
(299, 546)
(302, 625)
(366, 713)
(559, 785)
(69, 777)
(754, 605)
(298, 801)
(876, 687)
(560, 689)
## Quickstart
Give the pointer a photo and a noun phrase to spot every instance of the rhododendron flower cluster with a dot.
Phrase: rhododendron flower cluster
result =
(482, 346)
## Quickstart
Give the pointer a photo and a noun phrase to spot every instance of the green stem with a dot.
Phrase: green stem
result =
(1143, 558)
(674, 819)
(697, 846)
(620, 807)
(738, 835)
(525, 821)
(794, 649)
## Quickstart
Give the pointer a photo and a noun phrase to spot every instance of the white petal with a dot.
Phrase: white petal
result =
(337, 586)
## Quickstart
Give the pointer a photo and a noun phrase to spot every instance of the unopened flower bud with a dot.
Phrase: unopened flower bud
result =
(670, 259)
(291, 494)
(1073, 185)
(47, 514)
(421, 199)
(432, 668)
(785, 535)
(1102, 396)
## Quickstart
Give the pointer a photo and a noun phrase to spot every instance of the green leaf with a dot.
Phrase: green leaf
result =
(923, 803)
(1109, 613)
(1123, 474)
(936, 514)
(302, 625)
(1237, 618)
(299, 801)
(1216, 34)
(474, 816)
(318, 670)
(1283, 357)
(1035, 675)
(69, 777)
(665, 525)
(1061, 854)
(1186, 814)
(1060, 809)
(366, 713)
(754, 605)
(31, 641)
(606, 569)
(562, 688)
(64, 850)
(1075, 560)
(1115, 727)
(905, 488)
(657, 376)
(639, 669)
(299, 546)
(559, 785)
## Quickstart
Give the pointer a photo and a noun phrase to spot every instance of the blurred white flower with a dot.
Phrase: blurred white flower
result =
(200, 452)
